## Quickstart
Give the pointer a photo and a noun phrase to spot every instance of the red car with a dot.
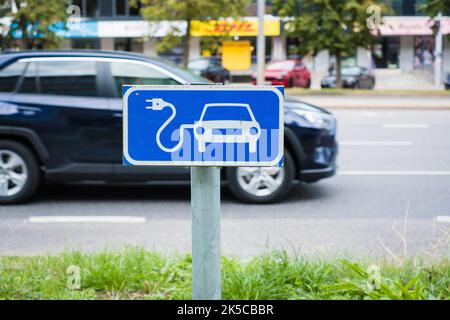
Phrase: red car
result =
(288, 73)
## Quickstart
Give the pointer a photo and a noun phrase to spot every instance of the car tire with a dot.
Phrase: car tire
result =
(237, 180)
(290, 83)
(19, 172)
(308, 84)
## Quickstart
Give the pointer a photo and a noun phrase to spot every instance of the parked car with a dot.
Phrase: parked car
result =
(288, 73)
(447, 82)
(211, 69)
(61, 121)
(352, 77)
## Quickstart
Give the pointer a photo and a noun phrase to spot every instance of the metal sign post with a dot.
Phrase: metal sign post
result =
(205, 202)
(205, 128)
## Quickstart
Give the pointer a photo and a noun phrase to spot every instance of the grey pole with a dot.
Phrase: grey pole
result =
(205, 201)
(261, 43)
(438, 54)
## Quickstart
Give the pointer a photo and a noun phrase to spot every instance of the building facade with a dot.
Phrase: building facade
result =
(406, 41)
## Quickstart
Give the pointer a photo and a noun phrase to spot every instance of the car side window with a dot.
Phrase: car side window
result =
(68, 78)
(10, 75)
(29, 80)
(135, 74)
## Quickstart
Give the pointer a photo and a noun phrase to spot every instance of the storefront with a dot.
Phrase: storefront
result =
(142, 36)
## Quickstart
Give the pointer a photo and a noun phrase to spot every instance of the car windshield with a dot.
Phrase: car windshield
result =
(280, 65)
(183, 73)
(199, 64)
(352, 71)
(232, 113)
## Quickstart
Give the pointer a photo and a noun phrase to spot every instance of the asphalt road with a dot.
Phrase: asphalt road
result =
(391, 198)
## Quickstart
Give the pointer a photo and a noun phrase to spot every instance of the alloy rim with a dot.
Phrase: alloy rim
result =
(260, 181)
(13, 173)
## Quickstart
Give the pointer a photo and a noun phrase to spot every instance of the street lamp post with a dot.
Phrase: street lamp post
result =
(261, 43)
(438, 53)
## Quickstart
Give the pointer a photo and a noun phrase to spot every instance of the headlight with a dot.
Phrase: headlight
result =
(318, 120)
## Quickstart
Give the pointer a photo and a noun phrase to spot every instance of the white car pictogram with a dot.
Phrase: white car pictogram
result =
(243, 130)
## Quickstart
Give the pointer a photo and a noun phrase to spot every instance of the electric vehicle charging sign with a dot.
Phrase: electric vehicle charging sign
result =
(203, 125)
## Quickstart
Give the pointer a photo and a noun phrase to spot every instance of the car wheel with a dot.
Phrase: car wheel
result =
(290, 83)
(262, 185)
(19, 172)
(308, 84)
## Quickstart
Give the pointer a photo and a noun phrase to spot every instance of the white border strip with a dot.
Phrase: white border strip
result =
(85, 219)
(201, 88)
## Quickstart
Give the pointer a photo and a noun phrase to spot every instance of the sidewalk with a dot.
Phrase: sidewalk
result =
(376, 101)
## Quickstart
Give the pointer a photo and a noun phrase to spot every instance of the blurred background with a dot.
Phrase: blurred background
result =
(401, 56)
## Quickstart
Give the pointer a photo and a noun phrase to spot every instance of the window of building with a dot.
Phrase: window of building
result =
(88, 8)
(135, 10)
(130, 73)
(106, 8)
(121, 7)
(406, 7)
(386, 53)
(69, 78)
(10, 75)
(79, 4)
(122, 44)
(86, 43)
(92, 8)
(424, 48)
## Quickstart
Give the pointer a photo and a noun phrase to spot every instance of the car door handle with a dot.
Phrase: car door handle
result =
(117, 115)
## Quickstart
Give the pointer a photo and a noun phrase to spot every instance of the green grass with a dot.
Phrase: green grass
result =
(134, 273)
(363, 92)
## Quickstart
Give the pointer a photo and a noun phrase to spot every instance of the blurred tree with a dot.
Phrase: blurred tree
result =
(188, 10)
(34, 22)
(335, 25)
(434, 7)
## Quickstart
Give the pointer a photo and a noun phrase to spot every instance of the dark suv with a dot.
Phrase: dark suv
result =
(61, 121)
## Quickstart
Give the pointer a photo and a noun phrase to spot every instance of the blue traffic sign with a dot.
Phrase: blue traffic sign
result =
(204, 125)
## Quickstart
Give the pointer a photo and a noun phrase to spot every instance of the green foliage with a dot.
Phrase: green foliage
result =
(434, 7)
(34, 20)
(188, 10)
(134, 273)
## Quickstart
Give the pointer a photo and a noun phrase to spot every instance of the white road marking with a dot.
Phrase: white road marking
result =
(392, 173)
(443, 219)
(376, 143)
(406, 125)
(85, 219)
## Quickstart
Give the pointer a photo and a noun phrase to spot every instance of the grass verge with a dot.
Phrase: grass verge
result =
(134, 273)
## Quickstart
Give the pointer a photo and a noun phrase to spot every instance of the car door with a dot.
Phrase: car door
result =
(64, 107)
(133, 72)
(365, 78)
(300, 74)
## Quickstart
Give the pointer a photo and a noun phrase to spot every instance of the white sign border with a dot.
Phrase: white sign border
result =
(134, 88)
